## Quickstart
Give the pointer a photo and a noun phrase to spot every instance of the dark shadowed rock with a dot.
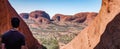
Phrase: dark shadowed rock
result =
(42, 20)
(58, 18)
(110, 39)
(24, 15)
(6, 13)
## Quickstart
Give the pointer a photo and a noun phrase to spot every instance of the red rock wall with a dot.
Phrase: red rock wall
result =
(110, 39)
(103, 32)
(6, 13)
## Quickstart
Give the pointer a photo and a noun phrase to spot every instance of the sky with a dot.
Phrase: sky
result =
(52, 7)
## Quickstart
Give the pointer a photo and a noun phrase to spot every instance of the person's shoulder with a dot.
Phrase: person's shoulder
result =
(6, 33)
(20, 33)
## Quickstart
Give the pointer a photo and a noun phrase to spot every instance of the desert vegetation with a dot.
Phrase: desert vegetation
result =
(55, 34)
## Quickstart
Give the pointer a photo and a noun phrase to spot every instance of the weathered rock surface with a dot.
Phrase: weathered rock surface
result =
(24, 15)
(85, 17)
(58, 17)
(40, 17)
(103, 32)
(79, 17)
(6, 13)
(38, 13)
(42, 20)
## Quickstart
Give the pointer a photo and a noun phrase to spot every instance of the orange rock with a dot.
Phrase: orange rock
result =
(61, 17)
(85, 17)
(39, 13)
(42, 20)
(103, 32)
(41, 17)
(6, 13)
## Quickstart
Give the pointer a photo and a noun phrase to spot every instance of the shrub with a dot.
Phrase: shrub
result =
(50, 43)
(65, 39)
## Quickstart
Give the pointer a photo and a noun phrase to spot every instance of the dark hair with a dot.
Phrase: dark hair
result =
(15, 22)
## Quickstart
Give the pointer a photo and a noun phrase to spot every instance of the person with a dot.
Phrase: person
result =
(13, 39)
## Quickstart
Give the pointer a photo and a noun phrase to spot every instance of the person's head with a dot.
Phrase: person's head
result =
(15, 22)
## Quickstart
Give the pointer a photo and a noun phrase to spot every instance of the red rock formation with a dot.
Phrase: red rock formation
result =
(103, 32)
(110, 39)
(79, 17)
(58, 16)
(6, 13)
(42, 20)
(90, 17)
(63, 18)
(39, 13)
(41, 17)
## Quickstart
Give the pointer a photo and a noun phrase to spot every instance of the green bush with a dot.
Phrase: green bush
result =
(65, 39)
(50, 43)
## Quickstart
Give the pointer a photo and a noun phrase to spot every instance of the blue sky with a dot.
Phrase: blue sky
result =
(52, 7)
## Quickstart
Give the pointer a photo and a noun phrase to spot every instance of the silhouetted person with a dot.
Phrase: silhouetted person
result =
(13, 39)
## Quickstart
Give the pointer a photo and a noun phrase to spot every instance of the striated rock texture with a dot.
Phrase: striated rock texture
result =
(6, 13)
(103, 32)
(85, 17)
(24, 15)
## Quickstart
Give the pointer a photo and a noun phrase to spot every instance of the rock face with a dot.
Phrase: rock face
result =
(24, 15)
(36, 14)
(110, 39)
(79, 17)
(103, 32)
(85, 17)
(57, 17)
(6, 13)
(61, 17)
(41, 17)
(42, 20)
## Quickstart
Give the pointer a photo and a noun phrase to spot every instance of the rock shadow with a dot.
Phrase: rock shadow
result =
(110, 39)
